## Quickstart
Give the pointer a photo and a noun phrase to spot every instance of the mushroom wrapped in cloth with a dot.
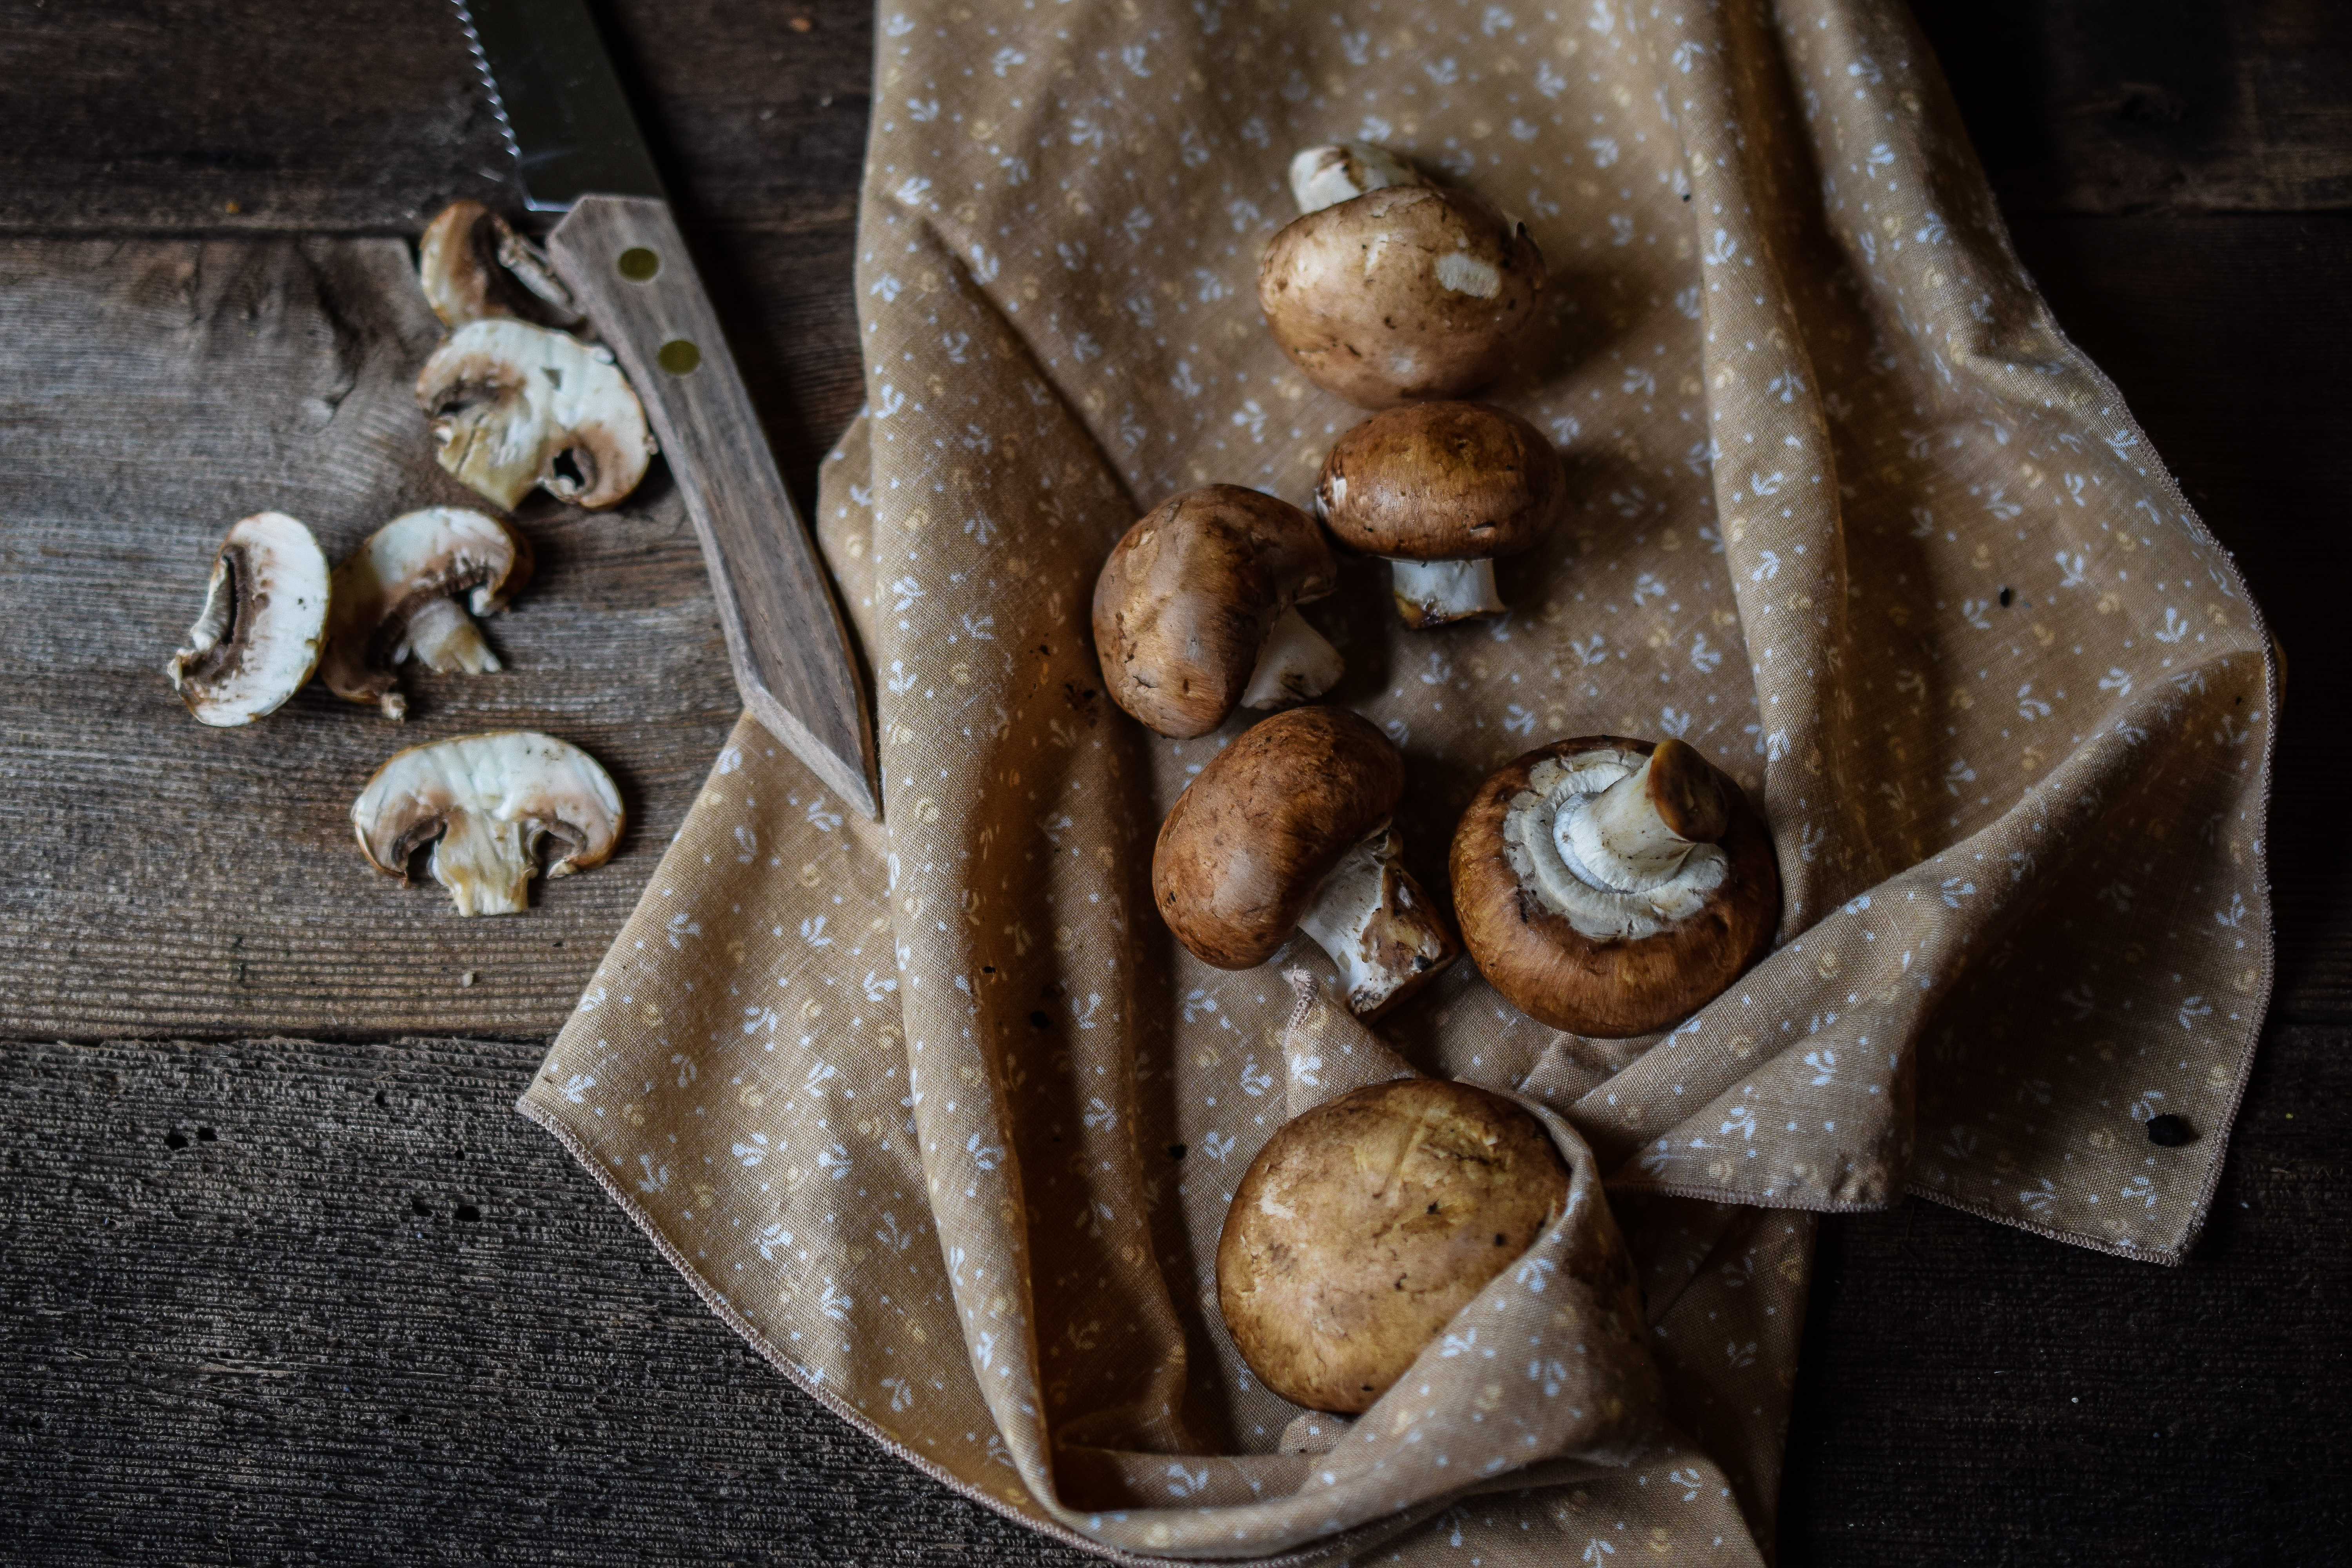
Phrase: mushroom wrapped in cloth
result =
(483, 803)
(1611, 888)
(406, 591)
(472, 266)
(1440, 489)
(1290, 827)
(263, 621)
(515, 404)
(1389, 288)
(1195, 611)
(1365, 1224)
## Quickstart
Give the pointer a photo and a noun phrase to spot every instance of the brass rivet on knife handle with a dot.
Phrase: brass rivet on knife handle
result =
(785, 634)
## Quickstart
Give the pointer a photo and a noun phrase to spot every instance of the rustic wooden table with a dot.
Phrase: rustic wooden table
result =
(285, 1277)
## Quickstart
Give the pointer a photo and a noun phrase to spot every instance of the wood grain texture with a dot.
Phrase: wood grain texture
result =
(255, 1348)
(366, 116)
(166, 876)
(786, 637)
(338, 1304)
(1972, 1394)
(2123, 106)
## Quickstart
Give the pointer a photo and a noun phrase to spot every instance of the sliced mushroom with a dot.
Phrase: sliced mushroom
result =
(515, 406)
(1195, 611)
(1611, 889)
(263, 624)
(1288, 828)
(1441, 490)
(406, 591)
(473, 267)
(1405, 292)
(489, 800)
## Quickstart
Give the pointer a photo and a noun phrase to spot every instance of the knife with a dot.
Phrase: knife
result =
(618, 249)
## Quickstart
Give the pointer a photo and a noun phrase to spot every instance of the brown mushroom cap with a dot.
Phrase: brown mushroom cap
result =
(1441, 481)
(1247, 843)
(1364, 1226)
(1402, 294)
(1187, 598)
(1612, 988)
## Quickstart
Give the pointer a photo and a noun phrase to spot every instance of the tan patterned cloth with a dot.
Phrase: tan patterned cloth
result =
(939, 1116)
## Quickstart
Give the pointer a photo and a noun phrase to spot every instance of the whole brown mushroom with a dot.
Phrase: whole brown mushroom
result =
(1364, 1226)
(1404, 292)
(1195, 611)
(1288, 828)
(1441, 490)
(1611, 888)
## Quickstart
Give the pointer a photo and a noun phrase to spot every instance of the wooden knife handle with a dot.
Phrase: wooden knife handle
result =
(630, 274)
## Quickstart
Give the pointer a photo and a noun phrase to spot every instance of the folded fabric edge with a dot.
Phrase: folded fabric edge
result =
(2274, 690)
(1336, 1549)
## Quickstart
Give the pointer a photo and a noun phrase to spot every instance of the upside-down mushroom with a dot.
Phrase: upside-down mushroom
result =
(489, 800)
(1611, 888)
(1441, 490)
(514, 405)
(1287, 828)
(264, 621)
(1404, 291)
(1195, 611)
(406, 591)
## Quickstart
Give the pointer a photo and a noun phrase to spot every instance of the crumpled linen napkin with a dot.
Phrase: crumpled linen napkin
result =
(937, 1115)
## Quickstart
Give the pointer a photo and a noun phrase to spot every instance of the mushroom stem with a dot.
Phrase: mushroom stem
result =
(445, 640)
(1435, 592)
(1341, 171)
(1295, 664)
(1379, 928)
(487, 863)
(1636, 834)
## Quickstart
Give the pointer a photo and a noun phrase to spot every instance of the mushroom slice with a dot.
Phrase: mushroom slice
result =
(1611, 889)
(1406, 291)
(1441, 490)
(469, 263)
(1195, 610)
(1288, 828)
(489, 799)
(515, 406)
(406, 591)
(264, 620)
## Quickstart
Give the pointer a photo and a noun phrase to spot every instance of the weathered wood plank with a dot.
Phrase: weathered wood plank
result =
(367, 116)
(2120, 106)
(374, 1316)
(165, 877)
(215, 114)
(1972, 1394)
(320, 1303)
